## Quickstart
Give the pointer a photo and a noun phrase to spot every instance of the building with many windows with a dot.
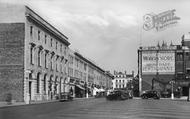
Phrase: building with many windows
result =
(85, 75)
(121, 80)
(160, 66)
(33, 56)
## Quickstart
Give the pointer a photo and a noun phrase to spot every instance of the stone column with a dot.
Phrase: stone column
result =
(26, 86)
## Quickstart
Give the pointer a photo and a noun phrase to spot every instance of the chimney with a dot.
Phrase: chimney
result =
(125, 72)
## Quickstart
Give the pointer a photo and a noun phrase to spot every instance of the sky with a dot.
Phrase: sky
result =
(109, 32)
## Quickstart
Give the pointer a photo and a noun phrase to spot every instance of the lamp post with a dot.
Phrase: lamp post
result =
(172, 83)
(86, 88)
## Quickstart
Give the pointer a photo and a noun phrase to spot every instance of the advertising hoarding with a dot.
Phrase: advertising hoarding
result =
(149, 62)
(166, 62)
(162, 62)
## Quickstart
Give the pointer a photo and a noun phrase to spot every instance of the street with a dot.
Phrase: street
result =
(100, 108)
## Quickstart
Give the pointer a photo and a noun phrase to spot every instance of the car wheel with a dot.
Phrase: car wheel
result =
(144, 97)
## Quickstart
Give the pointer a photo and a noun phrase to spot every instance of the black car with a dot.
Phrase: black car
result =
(118, 95)
(150, 94)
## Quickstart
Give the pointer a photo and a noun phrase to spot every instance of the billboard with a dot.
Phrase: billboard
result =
(162, 62)
(166, 62)
(149, 62)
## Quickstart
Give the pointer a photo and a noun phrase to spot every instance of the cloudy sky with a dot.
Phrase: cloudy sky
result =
(110, 31)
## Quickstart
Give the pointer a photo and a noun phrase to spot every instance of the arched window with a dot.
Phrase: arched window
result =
(31, 55)
(45, 59)
(45, 82)
(39, 58)
(51, 63)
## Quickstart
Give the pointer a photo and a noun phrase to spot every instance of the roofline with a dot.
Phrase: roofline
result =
(79, 55)
(50, 28)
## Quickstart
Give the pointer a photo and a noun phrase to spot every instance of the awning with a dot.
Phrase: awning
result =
(80, 87)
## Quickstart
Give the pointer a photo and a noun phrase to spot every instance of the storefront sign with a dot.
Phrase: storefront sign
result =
(160, 21)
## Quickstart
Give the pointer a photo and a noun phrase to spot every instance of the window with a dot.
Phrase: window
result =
(56, 65)
(46, 60)
(85, 67)
(31, 31)
(45, 83)
(61, 68)
(65, 50)
(38, 35)
(39, 58)
(60, 47)
(51, 64)
(179, 56)
(31, 55)
(56, 46)
(45, 39)
(51, 42)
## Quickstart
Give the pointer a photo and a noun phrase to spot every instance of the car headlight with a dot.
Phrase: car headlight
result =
(143, 92)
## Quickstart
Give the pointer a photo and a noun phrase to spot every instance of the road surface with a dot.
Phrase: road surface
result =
(99, 108)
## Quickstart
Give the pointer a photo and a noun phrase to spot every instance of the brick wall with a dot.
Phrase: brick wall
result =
(12, 60)
(147, 80)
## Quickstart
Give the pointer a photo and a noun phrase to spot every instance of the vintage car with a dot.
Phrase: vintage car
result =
(150, 94)
(65, 96)
(100, 94)
(118, 95)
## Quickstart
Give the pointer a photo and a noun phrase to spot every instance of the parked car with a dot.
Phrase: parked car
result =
(100, 94)
(65, 96)
(150, 94)
(118, 95)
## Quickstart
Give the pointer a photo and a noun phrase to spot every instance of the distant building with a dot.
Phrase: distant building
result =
(84, 73)
(121, 79)
(159, 65)
(33, 56)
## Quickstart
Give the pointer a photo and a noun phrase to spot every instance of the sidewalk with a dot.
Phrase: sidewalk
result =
(4, 104)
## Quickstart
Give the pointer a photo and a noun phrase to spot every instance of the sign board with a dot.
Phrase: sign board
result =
(162, 62)
(166, 62)
(149, 62)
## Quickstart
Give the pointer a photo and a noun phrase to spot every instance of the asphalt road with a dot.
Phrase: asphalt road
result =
(101, 109)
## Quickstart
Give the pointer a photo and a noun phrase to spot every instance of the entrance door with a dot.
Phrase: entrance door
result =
(30, 89)
(185, 91)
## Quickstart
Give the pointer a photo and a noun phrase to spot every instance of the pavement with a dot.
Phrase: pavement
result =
(5, 104)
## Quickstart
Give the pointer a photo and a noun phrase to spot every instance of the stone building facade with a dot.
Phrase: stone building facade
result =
(34, 56)
(121, 80)
(85, 75)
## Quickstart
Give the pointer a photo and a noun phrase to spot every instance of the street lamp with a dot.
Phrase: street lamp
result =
(86, 88)
(172, 83)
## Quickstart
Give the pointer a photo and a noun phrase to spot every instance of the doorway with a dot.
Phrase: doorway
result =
(185, 91)
(30, 90)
